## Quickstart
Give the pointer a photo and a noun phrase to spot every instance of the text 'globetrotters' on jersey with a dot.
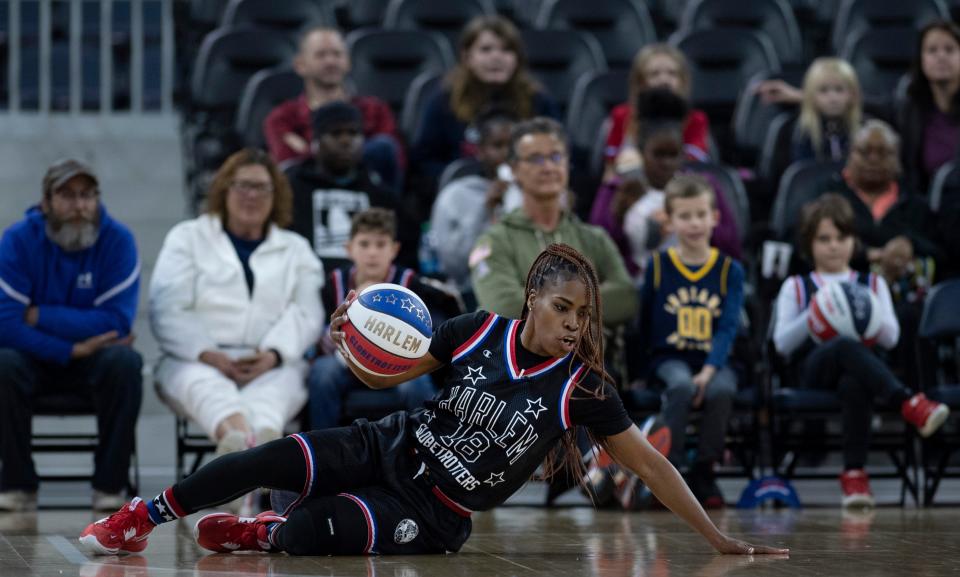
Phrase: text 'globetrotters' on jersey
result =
(502, 410)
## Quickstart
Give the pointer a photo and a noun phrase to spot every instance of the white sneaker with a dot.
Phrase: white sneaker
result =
(266, 434)
(108, 501)
(232, 442)
(18, 501)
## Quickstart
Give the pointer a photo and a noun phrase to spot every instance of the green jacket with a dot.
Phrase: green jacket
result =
(503, 254)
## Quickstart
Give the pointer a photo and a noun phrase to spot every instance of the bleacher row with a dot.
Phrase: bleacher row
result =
(580, 52)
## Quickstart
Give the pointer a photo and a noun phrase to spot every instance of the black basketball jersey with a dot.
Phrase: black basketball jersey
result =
(501, 410)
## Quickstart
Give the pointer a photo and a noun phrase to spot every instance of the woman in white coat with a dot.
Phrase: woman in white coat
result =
(234, 304)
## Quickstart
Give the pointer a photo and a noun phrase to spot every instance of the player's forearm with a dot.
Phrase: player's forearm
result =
(668, 486)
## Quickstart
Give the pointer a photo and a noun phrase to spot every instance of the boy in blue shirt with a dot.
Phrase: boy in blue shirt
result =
(690, 309)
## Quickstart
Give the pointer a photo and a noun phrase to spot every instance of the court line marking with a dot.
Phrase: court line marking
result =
(499, 557)
(67, 549)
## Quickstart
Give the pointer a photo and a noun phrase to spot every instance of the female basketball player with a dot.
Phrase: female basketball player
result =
(408, 484)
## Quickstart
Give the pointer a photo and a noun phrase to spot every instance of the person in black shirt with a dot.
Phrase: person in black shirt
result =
(333, 185)
(409, 483)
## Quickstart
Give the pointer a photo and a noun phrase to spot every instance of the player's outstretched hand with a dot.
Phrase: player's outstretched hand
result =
(731, 546)
(339, 317)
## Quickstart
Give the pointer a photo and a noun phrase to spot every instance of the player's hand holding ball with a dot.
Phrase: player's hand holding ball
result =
(384, 330)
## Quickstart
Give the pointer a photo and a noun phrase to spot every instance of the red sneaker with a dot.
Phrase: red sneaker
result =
(855, 484)
(225, 533)
(126, 530)
(924, 414)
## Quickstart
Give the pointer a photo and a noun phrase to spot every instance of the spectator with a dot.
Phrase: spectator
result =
(372, 248)
(503, 254)
(324, 63)
(492, 72)
(655, 66)
(688, 339)
(468, 205)
(334, 184)
(830, 112)
(643, 227)
(234, 305)
(888, 218)
(930, 116)
(828, 239)
(69, 283)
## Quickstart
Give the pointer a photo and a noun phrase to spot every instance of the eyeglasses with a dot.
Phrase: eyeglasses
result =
(85, 195)
(557, 158)
(252, 187)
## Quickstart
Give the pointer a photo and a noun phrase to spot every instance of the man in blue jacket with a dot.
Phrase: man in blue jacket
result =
(69, 281)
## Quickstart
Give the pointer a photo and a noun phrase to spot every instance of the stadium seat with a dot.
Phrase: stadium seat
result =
(290, 17)
(441, 16)
(938, 334)
(722, 62)
(775, 154)
(881, 57)
(752, 116)
(420, 89)
(558, 58)
(802, 182)
(945, 188)
(621, 27)
(385, 62)
(264, 91)
(362, 13)
(773, 17)
(855, 16)
(72, 440)
(227, 59)
(735, 193)
(594, 95)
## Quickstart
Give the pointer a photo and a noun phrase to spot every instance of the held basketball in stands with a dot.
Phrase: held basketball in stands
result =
(388, 330)
(844, 309)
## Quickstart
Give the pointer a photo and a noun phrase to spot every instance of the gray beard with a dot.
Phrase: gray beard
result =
(73, 237)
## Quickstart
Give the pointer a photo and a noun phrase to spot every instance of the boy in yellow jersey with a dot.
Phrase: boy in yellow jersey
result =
(690, 310)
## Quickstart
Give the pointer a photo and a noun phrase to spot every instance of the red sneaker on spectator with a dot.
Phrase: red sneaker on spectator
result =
(924, 414)
(855, 484)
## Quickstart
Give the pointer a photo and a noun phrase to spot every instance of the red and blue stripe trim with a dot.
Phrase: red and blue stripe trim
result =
(477, 339)
(368, 515)
(311, 472)
(510, 352)
(565, 395)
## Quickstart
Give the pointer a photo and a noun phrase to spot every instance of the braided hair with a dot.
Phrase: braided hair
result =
(560, 263)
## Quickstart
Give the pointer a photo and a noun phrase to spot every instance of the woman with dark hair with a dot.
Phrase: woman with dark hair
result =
(514, 390)
(234, 303)
(492, 71)
(929, 118)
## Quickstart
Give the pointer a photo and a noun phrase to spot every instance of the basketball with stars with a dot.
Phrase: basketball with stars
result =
(388, 330)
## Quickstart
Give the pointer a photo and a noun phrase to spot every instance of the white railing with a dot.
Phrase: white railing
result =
(30, 31)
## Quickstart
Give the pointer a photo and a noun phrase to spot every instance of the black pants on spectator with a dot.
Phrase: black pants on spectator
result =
(111, 377)
(861, 378)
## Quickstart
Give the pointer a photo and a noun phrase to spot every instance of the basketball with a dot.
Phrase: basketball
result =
(844, 309)
(388, 330)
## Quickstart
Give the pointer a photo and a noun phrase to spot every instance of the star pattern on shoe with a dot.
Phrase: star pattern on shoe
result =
(475, 374)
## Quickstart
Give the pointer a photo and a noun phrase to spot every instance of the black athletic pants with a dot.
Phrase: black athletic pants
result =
(356, 492)
(861, 378)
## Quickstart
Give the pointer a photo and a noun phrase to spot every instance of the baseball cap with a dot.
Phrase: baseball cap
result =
(62, 171)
